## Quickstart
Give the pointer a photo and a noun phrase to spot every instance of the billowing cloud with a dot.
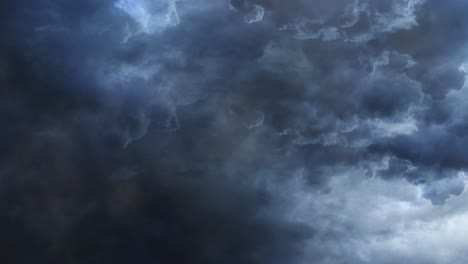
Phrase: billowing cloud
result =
(243, 131)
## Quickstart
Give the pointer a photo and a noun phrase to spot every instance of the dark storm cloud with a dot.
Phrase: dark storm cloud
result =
(401, 64)
(163, 131)
(77, 188)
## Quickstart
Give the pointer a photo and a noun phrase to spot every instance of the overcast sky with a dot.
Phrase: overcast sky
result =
(228, 132)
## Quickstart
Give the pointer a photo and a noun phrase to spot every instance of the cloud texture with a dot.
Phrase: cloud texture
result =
(243, 131)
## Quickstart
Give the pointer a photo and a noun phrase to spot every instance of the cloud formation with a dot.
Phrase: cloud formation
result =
(243, 131)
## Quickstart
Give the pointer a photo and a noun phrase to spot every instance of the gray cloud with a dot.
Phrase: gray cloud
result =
(189, 131)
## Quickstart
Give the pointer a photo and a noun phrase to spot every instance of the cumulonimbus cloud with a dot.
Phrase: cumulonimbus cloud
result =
(185, 131)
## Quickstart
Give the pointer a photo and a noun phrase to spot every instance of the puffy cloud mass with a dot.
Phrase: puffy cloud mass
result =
(242, 131)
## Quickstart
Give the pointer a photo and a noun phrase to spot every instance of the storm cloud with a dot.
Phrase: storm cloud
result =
(243, 131)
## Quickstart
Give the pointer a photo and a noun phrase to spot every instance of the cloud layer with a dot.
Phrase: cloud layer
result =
(243, 131)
